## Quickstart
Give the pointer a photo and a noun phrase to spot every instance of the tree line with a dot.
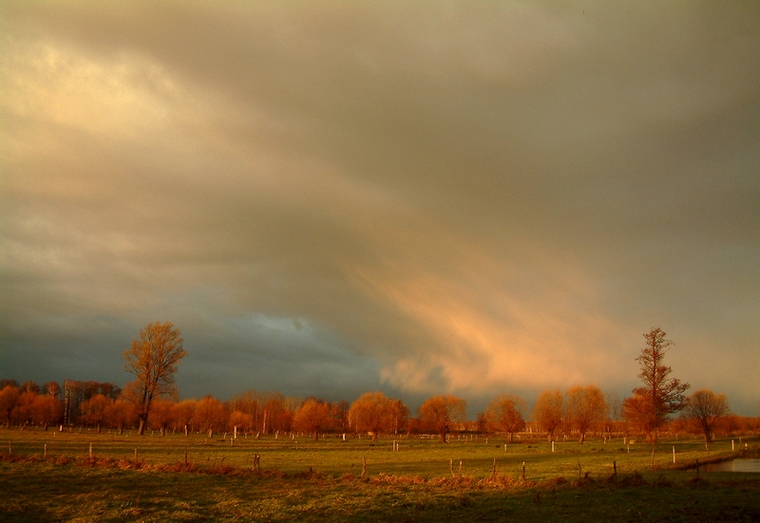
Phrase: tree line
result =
(151, 401)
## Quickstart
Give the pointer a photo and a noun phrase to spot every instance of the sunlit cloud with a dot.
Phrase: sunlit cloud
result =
(465, 198)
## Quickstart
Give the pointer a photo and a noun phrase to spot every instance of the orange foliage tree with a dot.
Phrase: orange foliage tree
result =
(506, 414)
(245, 409)
(8, 398)
(183, 413)
(400, 416)
(46, 410)
(373, 412)
(210, 415)
(312, 417)
(705, 408)
(23, 411)
(121, 414)
(94, 410)
(439, 412)
(241, 420)
(549, 411)
(585, 406)
(277, 413)
(161, 415)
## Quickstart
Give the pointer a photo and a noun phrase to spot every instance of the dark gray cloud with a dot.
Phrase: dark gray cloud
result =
(329, 197)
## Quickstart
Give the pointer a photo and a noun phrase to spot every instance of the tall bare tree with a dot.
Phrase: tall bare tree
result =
(52, 389)
(153, 359)
(705, 408)
(661, 395)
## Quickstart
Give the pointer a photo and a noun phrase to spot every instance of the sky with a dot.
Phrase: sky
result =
(329, 198)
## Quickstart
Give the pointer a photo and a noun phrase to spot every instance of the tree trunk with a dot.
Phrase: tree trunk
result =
(141, 429)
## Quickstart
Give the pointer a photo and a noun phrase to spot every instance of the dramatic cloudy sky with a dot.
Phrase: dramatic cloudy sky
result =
(334, 197)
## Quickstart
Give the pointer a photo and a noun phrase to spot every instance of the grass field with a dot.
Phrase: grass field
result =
(51, 476)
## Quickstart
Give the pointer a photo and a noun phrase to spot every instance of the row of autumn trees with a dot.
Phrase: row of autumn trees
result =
(575, 411)
(147, 402)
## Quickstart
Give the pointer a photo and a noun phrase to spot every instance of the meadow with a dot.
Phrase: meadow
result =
(85, 476)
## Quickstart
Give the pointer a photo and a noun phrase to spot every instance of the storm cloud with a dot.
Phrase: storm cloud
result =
(328, 198)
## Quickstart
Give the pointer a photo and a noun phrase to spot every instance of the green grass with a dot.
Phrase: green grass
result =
(305, 480)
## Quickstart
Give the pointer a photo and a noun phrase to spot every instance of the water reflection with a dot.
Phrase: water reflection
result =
(736, 465)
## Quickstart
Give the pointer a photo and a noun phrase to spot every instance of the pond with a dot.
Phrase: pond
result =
(735, 465)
